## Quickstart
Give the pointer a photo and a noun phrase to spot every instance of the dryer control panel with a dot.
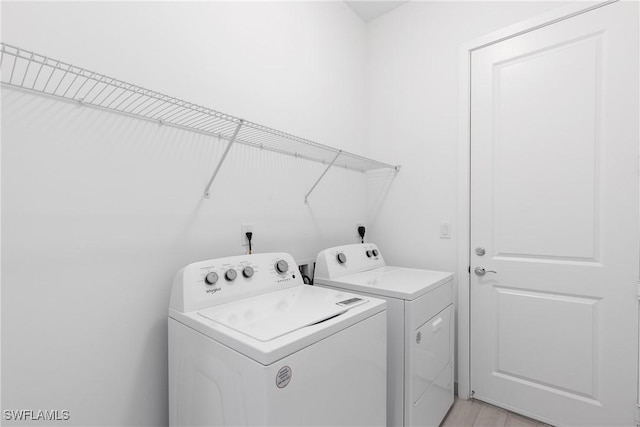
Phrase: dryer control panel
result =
(218, 281)
(343, 260)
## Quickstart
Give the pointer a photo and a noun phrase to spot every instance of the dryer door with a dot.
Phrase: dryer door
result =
(431, 351)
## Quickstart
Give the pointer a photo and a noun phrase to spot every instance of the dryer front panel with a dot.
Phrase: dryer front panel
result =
(431, 351)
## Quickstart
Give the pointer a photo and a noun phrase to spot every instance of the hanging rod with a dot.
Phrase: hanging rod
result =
(38, 73)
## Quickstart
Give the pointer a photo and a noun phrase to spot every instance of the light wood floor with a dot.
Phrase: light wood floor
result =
(473, 413)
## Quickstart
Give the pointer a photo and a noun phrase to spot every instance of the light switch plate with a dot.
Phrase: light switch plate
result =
(445, 230)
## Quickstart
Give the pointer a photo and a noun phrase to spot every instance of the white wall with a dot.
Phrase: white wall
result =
(100, 210)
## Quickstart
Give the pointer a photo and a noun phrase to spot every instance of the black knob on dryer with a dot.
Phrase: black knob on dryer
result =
(369, 254)
(375, 252)
(342, 258)
(282, 266)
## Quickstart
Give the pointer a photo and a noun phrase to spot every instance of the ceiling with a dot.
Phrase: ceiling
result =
(368, 10)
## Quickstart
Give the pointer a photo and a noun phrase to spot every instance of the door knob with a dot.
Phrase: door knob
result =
(481, 271)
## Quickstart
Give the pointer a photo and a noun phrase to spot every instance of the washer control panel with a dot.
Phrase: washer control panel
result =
(218, 281)
(348, 259)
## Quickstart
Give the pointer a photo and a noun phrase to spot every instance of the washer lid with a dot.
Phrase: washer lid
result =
(294, 312)
(267, 317)
(395, 282)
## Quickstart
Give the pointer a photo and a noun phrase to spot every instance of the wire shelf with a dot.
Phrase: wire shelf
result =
(38, 73)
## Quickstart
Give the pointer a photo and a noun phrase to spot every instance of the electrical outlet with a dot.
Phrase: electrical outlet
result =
(244, 229)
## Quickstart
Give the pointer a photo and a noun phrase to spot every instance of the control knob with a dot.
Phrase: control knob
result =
(375, 252)
(342, 258)
(211, 278)
(369, 254)
(247, 272)
(282, 266)
(230, 275)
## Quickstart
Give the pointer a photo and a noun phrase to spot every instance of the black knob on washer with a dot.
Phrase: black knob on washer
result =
(369, 254)
(375, 252)
(282, 266)
(247, 272)
(342, 258)
(230, 275)
(211, 278)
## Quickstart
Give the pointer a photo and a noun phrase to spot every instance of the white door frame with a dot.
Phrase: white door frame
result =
(464, 172)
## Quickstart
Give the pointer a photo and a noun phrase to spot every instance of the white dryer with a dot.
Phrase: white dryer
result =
(251, 345)
(420, 328)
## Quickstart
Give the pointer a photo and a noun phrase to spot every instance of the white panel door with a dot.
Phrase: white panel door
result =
(554, 205)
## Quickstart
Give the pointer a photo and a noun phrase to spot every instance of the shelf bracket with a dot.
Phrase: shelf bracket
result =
(224, 156)
(306, 201)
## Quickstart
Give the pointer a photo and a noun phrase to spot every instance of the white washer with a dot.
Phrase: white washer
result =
(420, 328)
(250, 344)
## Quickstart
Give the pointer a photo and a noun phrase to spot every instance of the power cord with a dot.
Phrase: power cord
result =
(305, 279)
(249, 235)
(361, 231)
